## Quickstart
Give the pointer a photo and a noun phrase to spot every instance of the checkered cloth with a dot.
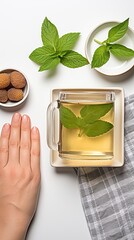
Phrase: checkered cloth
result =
(107, 194)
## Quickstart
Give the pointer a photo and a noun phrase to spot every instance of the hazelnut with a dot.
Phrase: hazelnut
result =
(3, 96)
(17, 79)
(15, 95)
(4, 80)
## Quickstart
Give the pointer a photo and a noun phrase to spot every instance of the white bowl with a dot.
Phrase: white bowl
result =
(10, 104)
(114, 66)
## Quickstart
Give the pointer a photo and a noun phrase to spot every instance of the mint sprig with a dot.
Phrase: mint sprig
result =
(57, 49)
(108, 46)
(89, 122)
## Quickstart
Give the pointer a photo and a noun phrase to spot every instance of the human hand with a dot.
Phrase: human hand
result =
(19, 176)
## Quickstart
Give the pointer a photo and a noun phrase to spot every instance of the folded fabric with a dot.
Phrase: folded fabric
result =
(107, 194)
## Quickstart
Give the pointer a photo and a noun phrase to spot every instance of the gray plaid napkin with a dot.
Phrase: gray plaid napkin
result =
(107, 194)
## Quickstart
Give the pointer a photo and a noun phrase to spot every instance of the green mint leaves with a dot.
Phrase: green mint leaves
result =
(68, 118)
(57, 49)
(108, 46)
(118, 31)
(89, 122)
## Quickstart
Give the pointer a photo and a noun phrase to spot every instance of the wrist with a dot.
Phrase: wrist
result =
(13, 224)
(9, 233)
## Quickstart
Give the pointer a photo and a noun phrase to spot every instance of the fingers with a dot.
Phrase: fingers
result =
(4, 143)
(14, 140)
(20, 144)
(35, 149)
(25, 141)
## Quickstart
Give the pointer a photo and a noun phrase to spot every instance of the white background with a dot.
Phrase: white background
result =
(60, 214)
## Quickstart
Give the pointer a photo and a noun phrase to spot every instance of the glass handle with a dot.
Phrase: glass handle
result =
(53, 125)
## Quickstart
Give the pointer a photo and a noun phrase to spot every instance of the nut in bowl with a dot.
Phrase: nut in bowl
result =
(14, 88)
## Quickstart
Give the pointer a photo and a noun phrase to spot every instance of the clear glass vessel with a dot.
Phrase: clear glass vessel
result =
(76, 122)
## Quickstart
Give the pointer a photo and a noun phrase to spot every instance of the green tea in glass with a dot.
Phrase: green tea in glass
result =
(82, 124)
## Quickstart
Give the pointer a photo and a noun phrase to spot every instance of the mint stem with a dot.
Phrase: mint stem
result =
(80, 133)
(97, 41)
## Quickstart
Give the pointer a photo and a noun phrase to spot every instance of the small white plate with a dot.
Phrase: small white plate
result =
(114, 66)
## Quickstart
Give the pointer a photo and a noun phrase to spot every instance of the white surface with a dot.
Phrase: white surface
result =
(60, 214)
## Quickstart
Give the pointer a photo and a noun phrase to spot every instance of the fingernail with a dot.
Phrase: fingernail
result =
(24, 118)
(25, 121)
(6, 126)
(16, 116)
(35, 130)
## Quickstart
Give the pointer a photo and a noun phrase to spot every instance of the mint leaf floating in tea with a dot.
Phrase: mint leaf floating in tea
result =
(89, 122)
(102, 53)
(57, 49)
(68, 118)
(93, 112)
(97, 128)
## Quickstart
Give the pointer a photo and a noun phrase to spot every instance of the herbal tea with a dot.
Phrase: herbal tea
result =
(86, 130)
